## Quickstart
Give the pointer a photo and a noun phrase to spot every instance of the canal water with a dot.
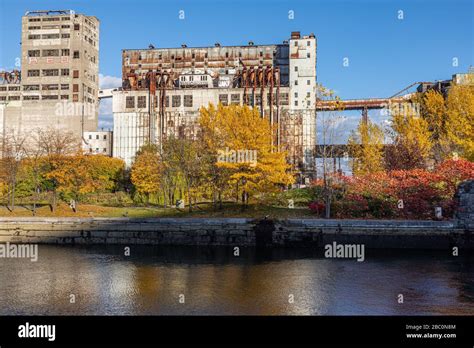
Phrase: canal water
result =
(203, 281)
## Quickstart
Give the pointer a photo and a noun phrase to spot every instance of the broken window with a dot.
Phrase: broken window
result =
(50, 53)
(141, 102)
(76, 54)
(32, 73)
(188, 101)
(130, 102)
(224, 99)
(235, 99)
(50, 72)
(176, 101)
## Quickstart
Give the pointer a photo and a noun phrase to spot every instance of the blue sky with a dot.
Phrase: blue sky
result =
(385, 53)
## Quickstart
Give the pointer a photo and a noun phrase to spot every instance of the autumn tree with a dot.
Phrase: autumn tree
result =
(146, 171)
(366, 148)
(240, 141)
(13, 151)
(81, 174)
(411, 140)
(460, 115)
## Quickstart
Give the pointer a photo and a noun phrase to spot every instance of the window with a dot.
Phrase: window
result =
(31, 97)
(14, 88)
(50, 36)
(235, 99)
(31, 87)
(308, 82)
(176, 101)
(75, 88)
(76, 54)
(49, 97)
(75, 97)
(65, 26)
(75, 74)
(3, 88)
(97, 137)
(308, 43)
(296, 43)
(3, 97)
(296, 68)
(224, 99)
(90, 137)
(188, 101)
(308, 103)
(65, 36)
(105, 137)
(49, 87)
(130, 102)
(34, 27)
(34, 37)
(65, 52)
(167, 101)
(34, 19)
(296, 82)
(296, 103)
(50, 53)
(14, 97)
(76, 26)
(308, 94)
(51, 72)
(105, 150)
(296, 94)
(90, 149)
(64, 86)
(33, 73)
(308, 55)
(34, 53)
(65, 96)
(141, 102)
(64, 72)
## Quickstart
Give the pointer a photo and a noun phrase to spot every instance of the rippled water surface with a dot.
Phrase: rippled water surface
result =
(213, 281)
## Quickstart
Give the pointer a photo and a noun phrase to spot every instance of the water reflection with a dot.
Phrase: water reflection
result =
(214, 281)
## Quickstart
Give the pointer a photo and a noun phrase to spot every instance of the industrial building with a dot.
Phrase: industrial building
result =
(58, 85)
(164, 88)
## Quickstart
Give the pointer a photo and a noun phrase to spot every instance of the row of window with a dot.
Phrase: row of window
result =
(53, 72)
(49, 36)
(10, 88)
(97, 150)
(97, 137)
(235, 99)
(37, 27)
(75, 97)
(54, 53)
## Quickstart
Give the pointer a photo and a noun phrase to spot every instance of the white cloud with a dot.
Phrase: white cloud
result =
(106, 119)
(106, 81)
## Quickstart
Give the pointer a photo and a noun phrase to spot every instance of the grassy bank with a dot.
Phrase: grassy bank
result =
(204, 210)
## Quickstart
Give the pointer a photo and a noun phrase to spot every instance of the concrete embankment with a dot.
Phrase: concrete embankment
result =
(237, 232)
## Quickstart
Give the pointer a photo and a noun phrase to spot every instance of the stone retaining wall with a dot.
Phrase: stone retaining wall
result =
(236, 232)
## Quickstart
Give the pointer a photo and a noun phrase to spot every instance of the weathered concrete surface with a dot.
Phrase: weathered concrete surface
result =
(236, 232)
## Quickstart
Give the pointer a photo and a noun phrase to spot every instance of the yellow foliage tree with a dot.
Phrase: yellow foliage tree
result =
(146, 172)
(412, 143)
(241, 141)
(81, 174)
(460, 115)
(366, 148)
